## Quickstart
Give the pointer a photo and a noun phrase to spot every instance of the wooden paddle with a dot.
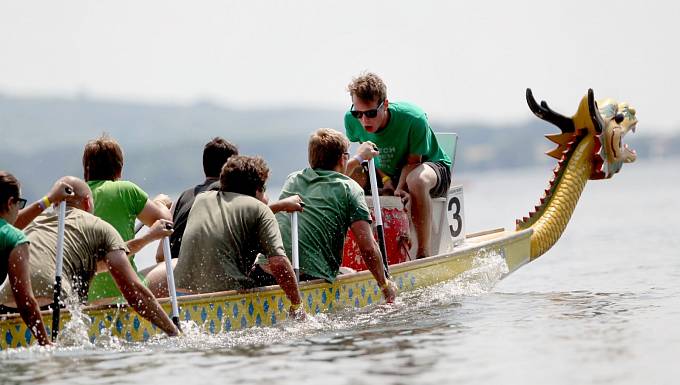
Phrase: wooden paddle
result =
(294, 244)
(138, 226)
(294, 241)
(377, 212)
(170, 275)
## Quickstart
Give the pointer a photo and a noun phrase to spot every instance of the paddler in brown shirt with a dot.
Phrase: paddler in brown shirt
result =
(90, 245)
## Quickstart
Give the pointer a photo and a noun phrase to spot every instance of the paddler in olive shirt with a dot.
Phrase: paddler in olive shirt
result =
(90, 245)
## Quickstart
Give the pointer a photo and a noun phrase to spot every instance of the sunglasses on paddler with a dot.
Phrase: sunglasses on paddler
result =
(369, 113)
(21, 202)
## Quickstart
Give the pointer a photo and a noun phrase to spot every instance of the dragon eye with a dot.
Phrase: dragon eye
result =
(618, 118)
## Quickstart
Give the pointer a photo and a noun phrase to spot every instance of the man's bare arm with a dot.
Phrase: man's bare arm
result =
(153, 211)
(157, 231)
(20, 281)
(366, 151)
(283, 272)
(137, 295)
(289, 204)
(160, 257)
(372, 258)
(59, 192)
(412, 162)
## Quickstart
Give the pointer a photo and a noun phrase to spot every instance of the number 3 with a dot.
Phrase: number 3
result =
(456, 217)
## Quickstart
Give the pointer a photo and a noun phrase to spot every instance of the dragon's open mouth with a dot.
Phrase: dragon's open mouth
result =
(617, 119)
(629, 155)
(620, 151)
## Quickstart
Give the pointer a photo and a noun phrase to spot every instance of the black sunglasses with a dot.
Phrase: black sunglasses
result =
(369, 113)
(21, 202)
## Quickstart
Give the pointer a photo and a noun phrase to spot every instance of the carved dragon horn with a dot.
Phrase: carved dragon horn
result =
(544, 112)
(598, 124)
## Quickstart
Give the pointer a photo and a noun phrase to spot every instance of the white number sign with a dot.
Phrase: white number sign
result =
(455, 214)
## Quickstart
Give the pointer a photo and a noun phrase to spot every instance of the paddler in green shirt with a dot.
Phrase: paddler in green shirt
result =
(410, 163)
(334, 203)
(119, 203)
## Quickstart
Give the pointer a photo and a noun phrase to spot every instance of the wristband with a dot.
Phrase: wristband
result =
(44, 203)
(358, 158)
(384, 285)
(294, 307)
(386, 179)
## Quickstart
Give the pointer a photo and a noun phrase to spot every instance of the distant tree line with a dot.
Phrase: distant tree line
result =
(43, 138)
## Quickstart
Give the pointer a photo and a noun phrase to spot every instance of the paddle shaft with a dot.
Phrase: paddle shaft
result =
(59, 268)
(294, 244)
(170, 275)
(377, 212)
(138, 226)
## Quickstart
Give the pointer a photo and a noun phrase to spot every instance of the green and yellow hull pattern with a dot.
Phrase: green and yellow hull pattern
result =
(232, 310)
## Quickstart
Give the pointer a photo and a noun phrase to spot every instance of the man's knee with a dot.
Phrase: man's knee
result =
(421, 180)
(359, 176)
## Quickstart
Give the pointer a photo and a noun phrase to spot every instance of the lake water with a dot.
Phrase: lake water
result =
(601, 307)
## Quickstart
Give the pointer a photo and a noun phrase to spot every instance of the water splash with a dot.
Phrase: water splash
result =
(105, 339)
(489, 267)
(74, 333)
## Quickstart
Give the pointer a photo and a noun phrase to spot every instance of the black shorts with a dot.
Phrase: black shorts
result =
(443, 179)
(439, 190)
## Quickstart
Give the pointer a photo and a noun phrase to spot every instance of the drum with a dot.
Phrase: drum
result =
(396, 228)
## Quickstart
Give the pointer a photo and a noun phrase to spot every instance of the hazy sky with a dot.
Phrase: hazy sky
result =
(459, 60)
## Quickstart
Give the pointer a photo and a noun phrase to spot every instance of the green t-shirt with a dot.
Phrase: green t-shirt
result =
(333, 202)
(118, 203)
(10, 237)
(407, 132)
(87, 240)
(225, 232)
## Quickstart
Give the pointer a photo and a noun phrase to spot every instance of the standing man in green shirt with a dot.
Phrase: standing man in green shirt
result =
(411, 164)
(334, 203)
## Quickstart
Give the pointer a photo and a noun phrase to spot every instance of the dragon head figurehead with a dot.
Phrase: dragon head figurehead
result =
(607, 121)
(589, 146)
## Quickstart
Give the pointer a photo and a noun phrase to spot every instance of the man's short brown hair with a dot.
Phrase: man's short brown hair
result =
(244, 175)
(368, 87)
(215, 155)
(102, 159)
(326, 147)
(9, 188)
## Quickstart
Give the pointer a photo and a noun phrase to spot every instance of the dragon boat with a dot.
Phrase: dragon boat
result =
(589, 146)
